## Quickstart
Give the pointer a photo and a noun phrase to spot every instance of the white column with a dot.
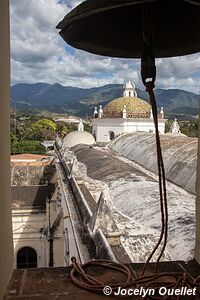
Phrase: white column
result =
(100, 112)
(124, 112)
(197, 247)
(6, 249)
(151, 113)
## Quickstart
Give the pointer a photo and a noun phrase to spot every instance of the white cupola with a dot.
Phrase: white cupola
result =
(175, 128)
(80, 126)
(129, 90)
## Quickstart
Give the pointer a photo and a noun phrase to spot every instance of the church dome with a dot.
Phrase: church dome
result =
(78, 137)
(133, 105)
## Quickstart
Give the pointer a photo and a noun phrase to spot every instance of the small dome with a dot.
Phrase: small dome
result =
(133, 105)
(78, 137)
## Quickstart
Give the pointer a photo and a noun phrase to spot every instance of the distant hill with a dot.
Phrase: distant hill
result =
(79, 101)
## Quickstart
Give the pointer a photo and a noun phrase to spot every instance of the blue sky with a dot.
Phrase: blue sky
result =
(38, 54)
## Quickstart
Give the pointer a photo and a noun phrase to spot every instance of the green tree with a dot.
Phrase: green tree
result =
(46, 124)
(190, 128)
(43, 129)
(18, 147)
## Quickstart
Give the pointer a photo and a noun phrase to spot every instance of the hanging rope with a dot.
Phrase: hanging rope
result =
(162, 182)
(171, 280)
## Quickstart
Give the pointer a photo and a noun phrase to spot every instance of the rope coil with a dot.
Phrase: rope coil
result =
(154, 281)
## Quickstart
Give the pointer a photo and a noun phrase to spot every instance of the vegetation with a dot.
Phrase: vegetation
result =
(189, 128)
(34, 147)
(28, 131)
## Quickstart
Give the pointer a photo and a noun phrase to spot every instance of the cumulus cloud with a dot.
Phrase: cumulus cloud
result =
(179, 72)
(38, 54)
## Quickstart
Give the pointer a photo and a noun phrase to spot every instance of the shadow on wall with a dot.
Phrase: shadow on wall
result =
(30, 216)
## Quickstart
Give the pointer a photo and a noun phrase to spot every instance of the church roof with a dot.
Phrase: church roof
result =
(31, 196)
(133, 105)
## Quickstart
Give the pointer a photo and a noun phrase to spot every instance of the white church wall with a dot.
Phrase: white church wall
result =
(26, 233)
(145, 125)
(161, 126)
(103, 127)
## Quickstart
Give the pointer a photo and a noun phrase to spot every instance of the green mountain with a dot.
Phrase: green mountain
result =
(79, 101)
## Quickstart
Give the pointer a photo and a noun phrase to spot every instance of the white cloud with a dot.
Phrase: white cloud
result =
(180, 66)
(40, 55)
(179, 72)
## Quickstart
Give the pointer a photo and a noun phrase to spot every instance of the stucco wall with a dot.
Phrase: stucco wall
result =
(26, 233)
(103, 126)
(179, 154)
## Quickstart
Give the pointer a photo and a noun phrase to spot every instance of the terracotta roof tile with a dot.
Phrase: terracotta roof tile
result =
(28, 156)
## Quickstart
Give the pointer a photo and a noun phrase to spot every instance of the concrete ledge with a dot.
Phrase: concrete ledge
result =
(55, 283)
(82, 205)
(103, 248)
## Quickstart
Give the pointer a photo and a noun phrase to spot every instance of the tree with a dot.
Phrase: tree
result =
(46, 124)
(43, 129)
(189, 128)
(18, 147)
(64, 128)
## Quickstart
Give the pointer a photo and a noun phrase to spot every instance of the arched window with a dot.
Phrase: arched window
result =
(26, 258)
(112, 135)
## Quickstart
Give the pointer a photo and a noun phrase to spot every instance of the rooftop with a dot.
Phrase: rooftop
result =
(26, 157)
(55, 283)
(31, 196)
(137, 215)
(33, 173)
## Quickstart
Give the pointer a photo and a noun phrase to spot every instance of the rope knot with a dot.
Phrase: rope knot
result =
(73, 259)
(149, 86)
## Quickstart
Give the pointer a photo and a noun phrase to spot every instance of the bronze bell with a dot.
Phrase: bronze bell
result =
(119, 28)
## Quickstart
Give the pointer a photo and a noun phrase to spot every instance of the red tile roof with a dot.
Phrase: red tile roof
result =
(28, 157)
